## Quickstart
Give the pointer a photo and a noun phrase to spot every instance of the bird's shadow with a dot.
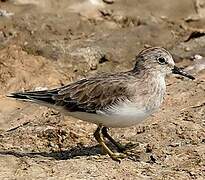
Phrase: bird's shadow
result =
(72, 153)
(58, 155)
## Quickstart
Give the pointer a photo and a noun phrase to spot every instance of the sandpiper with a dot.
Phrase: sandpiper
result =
(113, 100)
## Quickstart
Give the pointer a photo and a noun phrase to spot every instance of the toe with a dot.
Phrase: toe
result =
(118, 156)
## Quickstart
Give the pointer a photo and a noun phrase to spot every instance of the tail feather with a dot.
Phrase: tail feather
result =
(43, 96)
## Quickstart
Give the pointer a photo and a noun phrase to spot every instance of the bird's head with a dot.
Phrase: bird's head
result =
(158, 60)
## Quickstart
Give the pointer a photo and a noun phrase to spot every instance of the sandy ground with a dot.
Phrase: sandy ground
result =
(49, 43)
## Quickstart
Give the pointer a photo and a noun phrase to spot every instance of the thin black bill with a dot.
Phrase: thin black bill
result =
(179, 71)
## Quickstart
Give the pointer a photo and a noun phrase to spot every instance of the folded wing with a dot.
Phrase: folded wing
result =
(86, 95)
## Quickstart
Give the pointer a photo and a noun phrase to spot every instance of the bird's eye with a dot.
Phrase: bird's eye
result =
(162, 60)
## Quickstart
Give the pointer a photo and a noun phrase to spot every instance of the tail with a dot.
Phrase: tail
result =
(35, 96)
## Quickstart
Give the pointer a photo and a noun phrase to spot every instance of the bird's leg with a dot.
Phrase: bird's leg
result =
(99, 138)
(119, 146)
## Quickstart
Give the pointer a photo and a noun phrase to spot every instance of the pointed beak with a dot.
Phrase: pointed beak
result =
(179, 71)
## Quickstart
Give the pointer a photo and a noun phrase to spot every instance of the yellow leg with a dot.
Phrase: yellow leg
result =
(99, 138)
(119, 146)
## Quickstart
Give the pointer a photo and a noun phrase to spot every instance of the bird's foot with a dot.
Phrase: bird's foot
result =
(129, 146)
(117, 156)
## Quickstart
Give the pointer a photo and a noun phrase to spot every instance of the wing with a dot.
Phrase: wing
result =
(87, 95)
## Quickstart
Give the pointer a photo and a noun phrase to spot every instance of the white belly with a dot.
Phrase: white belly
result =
(109, 120)
(122, 115)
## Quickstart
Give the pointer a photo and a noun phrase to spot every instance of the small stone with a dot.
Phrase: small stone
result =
(187, 49)
(5, 13)
(93, 67)
(197, 57)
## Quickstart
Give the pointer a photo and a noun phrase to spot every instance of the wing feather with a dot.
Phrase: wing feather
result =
(88, 95)
(92, 94)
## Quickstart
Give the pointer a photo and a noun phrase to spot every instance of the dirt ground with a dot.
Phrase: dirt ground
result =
(49, 43)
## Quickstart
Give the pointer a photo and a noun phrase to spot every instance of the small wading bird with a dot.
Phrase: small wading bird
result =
(113, 100)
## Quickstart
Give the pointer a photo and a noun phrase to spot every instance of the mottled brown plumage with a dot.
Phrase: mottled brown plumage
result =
(87, 95)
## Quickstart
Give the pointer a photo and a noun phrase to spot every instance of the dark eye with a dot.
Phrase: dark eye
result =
(162, 60)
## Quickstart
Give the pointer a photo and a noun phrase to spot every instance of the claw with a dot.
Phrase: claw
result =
(130, 146)
(118, 156)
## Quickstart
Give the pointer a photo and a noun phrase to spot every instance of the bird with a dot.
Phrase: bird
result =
(113, 100)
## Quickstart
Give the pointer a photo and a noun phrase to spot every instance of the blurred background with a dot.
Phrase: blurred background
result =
(48, 43)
